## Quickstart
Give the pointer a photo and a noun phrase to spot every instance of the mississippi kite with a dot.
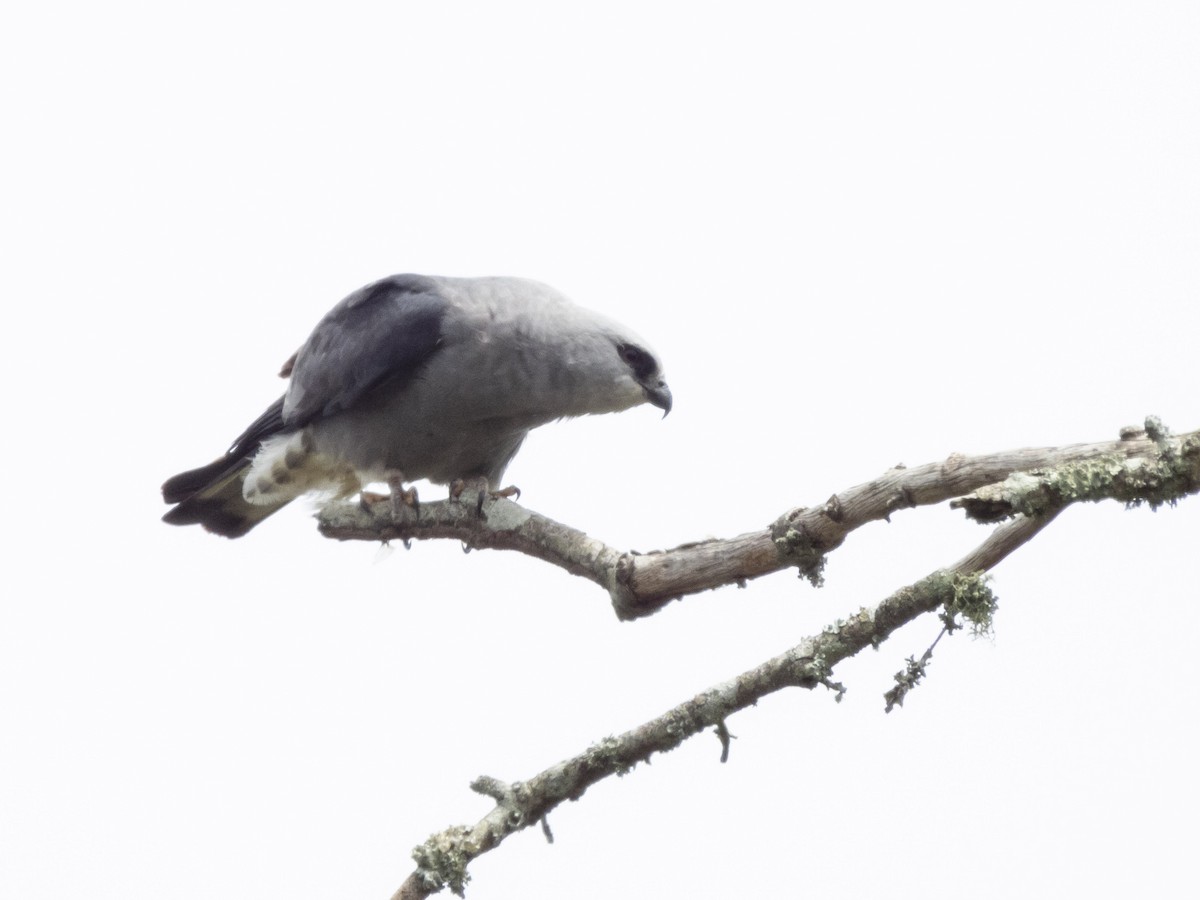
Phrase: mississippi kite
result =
(417, 377)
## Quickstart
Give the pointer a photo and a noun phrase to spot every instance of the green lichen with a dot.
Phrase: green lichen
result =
(816, 670)
(799, 550)
(965, 595)
(1164, 480)
(1083, 481)
(959, 595)
(1155, 482)
(442, 860)
(606, 756)
(1167, 480)
(1160, 480)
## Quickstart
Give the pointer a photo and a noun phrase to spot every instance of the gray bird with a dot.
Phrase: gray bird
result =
(417, 377)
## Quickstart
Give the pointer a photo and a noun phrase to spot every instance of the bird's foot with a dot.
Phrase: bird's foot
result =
(400, 499)
(479, 486)
(459, 486)
(403, 497)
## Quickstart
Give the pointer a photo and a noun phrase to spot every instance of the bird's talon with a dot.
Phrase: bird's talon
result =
(460, 486)
(402, 497)
(405, 499)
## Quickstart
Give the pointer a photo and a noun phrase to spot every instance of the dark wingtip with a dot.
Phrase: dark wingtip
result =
(212, 497)
(179, 487)
(213, 515)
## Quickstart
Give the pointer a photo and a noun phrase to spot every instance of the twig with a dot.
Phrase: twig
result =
(914, 671)
(724, 737)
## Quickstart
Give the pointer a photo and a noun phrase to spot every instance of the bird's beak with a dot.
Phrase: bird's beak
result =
(659, 395)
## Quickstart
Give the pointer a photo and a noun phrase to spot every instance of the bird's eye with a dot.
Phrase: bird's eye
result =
(641, 362)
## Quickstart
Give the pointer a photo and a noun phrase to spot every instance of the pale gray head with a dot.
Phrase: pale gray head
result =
(577, 360)
(634, 368)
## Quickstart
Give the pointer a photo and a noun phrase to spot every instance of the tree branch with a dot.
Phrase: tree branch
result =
(1146, 465)
(442, 860)
(1027, 487)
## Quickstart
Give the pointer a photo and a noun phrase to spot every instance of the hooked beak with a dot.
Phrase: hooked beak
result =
(659, 395)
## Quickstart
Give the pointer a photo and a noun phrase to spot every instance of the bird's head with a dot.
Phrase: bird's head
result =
(646, 371)
(603, 366)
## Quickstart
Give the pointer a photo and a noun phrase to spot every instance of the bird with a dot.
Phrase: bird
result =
(418, 377)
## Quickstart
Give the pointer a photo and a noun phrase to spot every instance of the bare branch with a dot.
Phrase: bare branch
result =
(442, 860)
(1146, 465)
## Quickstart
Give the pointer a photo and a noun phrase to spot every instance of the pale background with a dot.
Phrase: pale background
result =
(859, 234)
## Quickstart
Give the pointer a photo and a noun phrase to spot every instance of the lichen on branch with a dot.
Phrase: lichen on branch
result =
(442, 860)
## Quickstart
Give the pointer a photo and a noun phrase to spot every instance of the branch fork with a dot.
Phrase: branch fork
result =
(1024, 490)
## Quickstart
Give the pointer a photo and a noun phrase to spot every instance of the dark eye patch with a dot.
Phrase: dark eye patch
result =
(638, 360)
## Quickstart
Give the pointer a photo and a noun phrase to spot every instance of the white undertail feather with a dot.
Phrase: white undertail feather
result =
(286, 467)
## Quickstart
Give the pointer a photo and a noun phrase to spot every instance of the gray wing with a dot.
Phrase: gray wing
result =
(383, 332)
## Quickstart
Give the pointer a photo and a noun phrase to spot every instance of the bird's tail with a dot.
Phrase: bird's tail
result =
(212, 496)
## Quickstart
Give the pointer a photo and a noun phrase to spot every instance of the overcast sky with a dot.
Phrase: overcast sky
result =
(859, 234)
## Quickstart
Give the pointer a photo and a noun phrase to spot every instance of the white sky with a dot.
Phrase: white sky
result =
(859, 234)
